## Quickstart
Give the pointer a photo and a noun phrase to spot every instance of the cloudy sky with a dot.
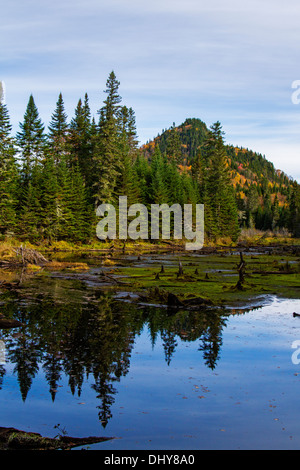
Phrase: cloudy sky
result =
(233, 62)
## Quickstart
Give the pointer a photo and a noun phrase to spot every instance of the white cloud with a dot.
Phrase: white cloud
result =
(231, 61)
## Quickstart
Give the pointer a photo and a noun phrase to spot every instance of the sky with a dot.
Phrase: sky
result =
(230, 61)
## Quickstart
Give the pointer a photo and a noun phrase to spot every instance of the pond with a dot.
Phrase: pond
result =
(87, 363)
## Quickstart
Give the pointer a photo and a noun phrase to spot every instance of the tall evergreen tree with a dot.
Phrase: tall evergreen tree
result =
(81, 139)
(127, 183)
(31, 139)
(8, 174)
(294, 210)
(221, 216)
(252, 205)
(107, 149)
(143, 176)
(158, 192)
(48, 197)
(174, 146)
(58, 130)
(30, 220)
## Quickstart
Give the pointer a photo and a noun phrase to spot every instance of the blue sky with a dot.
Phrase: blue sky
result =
(232, 61)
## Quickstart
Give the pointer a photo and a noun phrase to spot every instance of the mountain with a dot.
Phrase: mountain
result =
(260, 188)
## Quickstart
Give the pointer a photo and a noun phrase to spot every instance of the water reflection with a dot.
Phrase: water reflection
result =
(92, 335)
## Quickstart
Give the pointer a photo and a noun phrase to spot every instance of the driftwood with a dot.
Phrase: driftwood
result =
(111, 278)
(273, 272)
(30, 256)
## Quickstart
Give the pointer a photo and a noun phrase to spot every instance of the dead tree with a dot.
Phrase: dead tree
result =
(180, 271)
(241, 272)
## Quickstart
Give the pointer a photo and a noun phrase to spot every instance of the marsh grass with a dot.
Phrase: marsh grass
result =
(215, 277)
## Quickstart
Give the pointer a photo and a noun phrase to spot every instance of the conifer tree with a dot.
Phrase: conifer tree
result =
(127, 183)
(107, 150)
(275, 213)
(31, 139)
(174, 146)
(252, 204)
(83, 217)
(49, 190)
(129, 125)
(8, 174)
(294, 210)
(142, 171)
(221, 217)
(174, 183)
(158, 191)
(73, 214)
(80, 138)
(58, 130)
(30, 220)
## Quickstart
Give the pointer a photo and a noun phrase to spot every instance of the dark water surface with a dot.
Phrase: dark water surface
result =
(150, 377)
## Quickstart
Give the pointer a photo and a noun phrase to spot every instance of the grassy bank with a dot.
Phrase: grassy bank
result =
(248, 237)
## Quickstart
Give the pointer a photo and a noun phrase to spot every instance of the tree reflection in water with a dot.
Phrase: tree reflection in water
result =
(93, 336)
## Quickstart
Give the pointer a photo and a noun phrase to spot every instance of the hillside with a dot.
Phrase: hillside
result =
(260, 188)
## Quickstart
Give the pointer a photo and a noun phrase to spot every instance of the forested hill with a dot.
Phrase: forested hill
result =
(183, 143)
(258, 184)
(53, 178)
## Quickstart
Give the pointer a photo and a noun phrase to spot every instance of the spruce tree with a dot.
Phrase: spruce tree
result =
(252, 205)
(49, 191)
(30, 220)
(58, 130)
(127, 183)
(131, 134)
(158, 191)
(81, 139)
(142, 171)
(174, 183)
(221, 217)
(83, 217)
(74, 215)
(294, 210)
(8, 174)
(107, 149)
(174, 146)
(31, 139)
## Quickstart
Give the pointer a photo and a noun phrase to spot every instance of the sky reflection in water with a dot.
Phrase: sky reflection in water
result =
(153, 378)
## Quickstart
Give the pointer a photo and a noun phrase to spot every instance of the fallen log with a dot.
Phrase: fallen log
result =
(273, 272)
(6, 323)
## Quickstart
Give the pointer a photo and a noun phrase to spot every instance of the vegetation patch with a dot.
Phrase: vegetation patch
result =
(216, 277)
(14, 439)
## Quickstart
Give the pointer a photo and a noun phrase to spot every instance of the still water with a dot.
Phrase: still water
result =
(150, 377)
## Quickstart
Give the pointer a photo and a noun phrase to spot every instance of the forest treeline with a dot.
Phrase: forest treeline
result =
(52, 180)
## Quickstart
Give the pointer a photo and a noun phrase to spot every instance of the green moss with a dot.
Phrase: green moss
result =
(215, 277)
